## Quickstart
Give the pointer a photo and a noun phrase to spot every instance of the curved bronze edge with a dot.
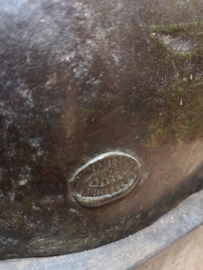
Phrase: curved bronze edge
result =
(127, 253)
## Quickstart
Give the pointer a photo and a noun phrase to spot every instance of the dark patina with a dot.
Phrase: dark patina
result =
(79, 79)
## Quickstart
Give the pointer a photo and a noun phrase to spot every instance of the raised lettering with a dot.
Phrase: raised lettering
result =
(85, 192)
(108, 177)
(92, 192)
(101, 192)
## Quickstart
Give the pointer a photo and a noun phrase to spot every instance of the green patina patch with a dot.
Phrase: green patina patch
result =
(181, 115)
(190, 33)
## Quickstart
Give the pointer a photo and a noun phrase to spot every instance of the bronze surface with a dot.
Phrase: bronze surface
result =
(79, 79)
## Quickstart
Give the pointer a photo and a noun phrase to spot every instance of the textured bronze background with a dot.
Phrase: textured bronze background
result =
(104, 179)
(82, 78)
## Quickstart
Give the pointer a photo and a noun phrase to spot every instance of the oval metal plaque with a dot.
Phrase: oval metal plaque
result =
(104, 179)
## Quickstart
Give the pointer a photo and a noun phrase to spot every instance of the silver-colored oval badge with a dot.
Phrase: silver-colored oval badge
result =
(105, 178)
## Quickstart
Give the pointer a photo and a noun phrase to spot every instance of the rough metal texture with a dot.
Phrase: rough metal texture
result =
(129, 252)
(82, 78)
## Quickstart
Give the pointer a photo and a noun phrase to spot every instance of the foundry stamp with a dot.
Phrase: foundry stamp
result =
(104, 179)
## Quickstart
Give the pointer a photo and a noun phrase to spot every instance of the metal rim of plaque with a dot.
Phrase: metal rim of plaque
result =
(106, 178)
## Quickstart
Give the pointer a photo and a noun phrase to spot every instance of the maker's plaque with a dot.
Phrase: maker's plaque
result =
(105, 178)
